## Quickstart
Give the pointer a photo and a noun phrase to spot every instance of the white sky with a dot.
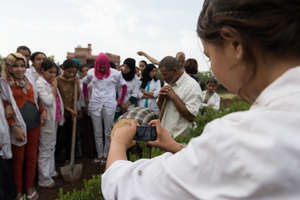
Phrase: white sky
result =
(160, 28)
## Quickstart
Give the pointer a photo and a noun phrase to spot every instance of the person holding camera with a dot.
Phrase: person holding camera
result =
(252, 154)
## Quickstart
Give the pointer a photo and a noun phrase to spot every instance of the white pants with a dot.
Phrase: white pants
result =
(107, 115)
(46, 160)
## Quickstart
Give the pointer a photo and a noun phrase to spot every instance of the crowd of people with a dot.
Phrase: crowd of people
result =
(39, 101)
(253, 47)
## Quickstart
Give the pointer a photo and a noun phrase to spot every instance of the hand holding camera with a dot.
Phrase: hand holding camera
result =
(126, 131)
(164, 140)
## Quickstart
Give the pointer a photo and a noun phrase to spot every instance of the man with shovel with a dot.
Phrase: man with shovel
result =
(181, 95)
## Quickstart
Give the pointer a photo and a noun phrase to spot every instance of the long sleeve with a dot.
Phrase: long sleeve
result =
(44, 96)
(156, 88)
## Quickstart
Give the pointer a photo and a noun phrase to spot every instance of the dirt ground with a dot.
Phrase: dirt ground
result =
(89, 169)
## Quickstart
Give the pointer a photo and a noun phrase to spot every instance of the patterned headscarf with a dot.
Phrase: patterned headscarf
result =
(9, 61)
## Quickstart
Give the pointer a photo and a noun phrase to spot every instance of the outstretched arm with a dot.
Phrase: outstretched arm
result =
(151, 59)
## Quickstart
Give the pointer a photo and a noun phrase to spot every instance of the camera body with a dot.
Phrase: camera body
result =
(145, 133)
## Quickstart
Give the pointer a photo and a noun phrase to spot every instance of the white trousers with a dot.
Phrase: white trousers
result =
(107, 116)
(46, 160)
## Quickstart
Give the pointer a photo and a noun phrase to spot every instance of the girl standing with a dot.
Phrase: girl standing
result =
(150, 88)
(129, 74)
(51, 100)
(25, 124)
(66, 83)
(34, 71)
(102, 103)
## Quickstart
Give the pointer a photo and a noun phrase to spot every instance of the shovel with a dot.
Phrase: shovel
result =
(72, 172)
(161, 114)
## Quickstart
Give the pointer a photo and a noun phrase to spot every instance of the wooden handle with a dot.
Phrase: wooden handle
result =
(162, 110)
(74, 125)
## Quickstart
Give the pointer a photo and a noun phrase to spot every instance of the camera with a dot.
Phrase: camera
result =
(145, 133)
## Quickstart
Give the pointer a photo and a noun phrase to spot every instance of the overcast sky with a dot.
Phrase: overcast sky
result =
(158, 27)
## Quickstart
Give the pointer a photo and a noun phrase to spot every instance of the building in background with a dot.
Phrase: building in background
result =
(84, 55)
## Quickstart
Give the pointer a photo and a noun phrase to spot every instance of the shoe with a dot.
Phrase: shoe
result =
(56, 175)
(103, 161)
(50, 186)
(97, 160)
(33, 196)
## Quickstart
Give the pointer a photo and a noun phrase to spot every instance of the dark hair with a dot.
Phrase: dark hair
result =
(212, 80)
(25, 48)
(83, 66)
(272, 26)
(146, 75)
(130, 62)
(143, 61)
(32, 57)
(170, 63)
(191, 66)
(112, 65)
(48, 64)
(69, 63)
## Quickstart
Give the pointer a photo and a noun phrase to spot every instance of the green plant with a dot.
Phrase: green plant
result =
(91, 191)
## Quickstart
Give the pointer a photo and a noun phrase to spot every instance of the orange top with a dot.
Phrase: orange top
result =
(21, 98)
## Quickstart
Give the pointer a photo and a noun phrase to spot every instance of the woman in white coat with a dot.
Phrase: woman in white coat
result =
(103, 103)
(254, 51)
(150, 87)
(51, 100)
(128, 70)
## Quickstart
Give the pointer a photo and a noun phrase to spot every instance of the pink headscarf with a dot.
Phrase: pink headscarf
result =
(102, 60)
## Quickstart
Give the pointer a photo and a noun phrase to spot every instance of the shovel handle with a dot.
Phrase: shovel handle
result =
(74, 125)
(162, 110)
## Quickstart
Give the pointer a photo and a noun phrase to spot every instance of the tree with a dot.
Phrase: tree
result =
(51, 58)
(1, 60)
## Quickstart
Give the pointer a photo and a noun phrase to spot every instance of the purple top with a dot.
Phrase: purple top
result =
(58, 111)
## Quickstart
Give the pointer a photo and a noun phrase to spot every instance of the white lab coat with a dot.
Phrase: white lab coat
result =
(81, 100)
(213, 101)
(47, 140)
(133, 89)
(155, 88)
(104, 90)
(32, 74)
(5, 151)
(244, 155)
(48, 100)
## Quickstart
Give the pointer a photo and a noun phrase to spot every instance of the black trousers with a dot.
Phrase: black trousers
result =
(8, 189)
(64, 141)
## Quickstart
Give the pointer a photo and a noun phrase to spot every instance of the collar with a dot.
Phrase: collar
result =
(33, 69)
(285, 85)
(181, 80)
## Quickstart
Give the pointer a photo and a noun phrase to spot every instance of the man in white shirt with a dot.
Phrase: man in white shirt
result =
(182, 95)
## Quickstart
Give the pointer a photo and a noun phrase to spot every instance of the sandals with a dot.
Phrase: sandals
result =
(33, 196)
(50, 186)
